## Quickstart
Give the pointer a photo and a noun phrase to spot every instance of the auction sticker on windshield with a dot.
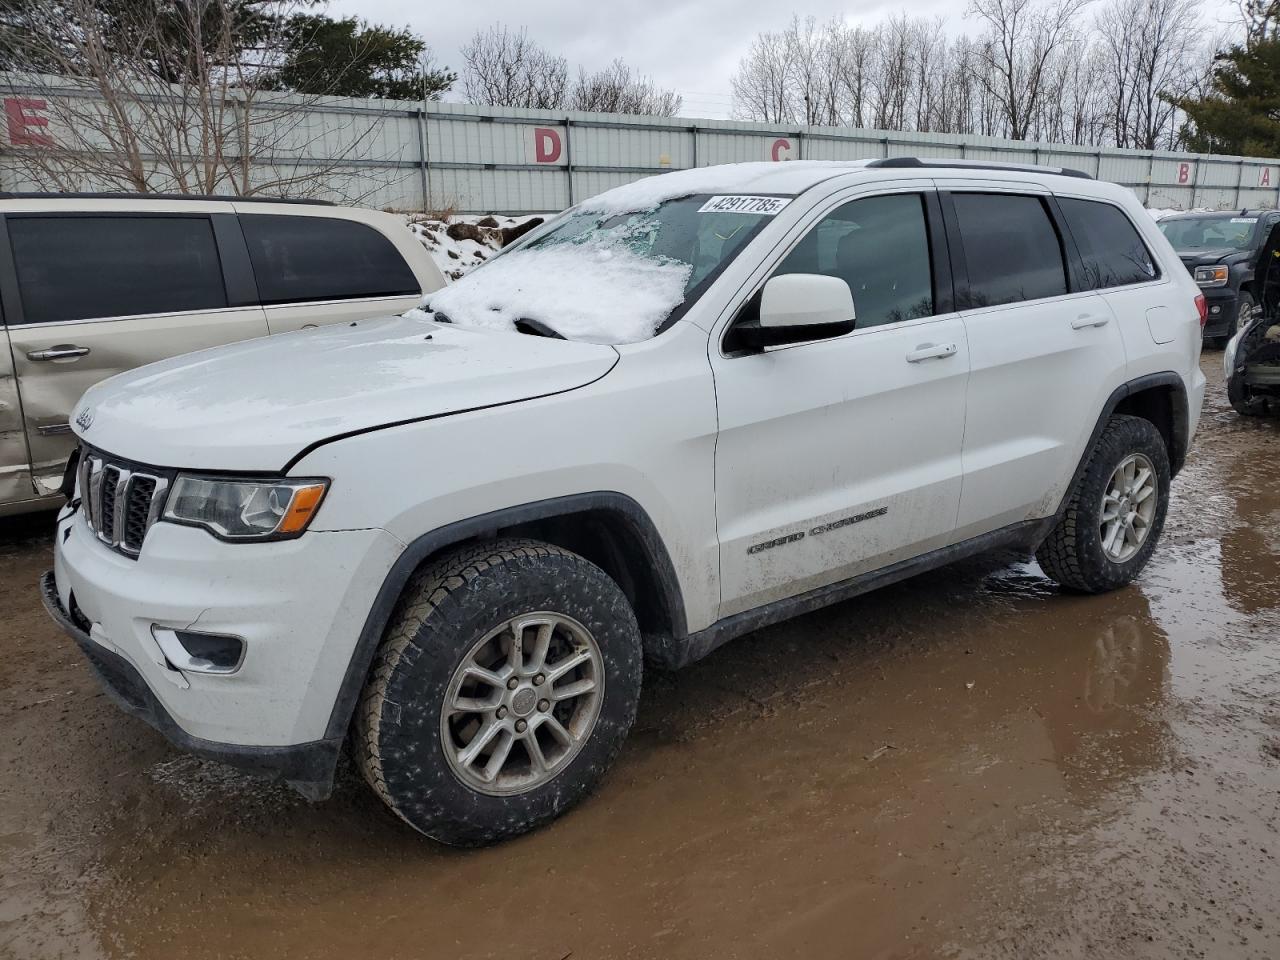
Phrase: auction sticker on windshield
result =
(761, 206)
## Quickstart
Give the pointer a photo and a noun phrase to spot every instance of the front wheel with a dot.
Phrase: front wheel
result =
(505, 686)
(1116, 512)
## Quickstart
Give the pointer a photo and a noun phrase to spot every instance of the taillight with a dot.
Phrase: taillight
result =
(1203, 306)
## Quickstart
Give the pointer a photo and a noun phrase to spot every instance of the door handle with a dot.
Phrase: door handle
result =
(931, 351)
(1090, 320)
(63, 351)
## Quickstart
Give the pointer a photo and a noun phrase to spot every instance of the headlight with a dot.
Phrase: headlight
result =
(245, 509)
(1211, 276)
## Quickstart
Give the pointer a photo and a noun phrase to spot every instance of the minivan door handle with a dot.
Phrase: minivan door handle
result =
(931, 351)
(62, 351)
(1090, 320)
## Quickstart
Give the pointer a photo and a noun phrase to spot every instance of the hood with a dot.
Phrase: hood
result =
(255, 405)
(1203, 258)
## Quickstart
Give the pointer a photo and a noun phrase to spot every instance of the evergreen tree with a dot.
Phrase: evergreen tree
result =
(1241, 112)
(351, 58)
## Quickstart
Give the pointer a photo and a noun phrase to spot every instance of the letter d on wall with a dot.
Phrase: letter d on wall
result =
(547, 145)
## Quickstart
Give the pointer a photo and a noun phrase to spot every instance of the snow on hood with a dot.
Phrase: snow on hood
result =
(598, 293)
(255, 404)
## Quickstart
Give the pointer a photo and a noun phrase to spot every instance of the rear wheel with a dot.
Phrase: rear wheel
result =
(1116, 512)
(506, 684)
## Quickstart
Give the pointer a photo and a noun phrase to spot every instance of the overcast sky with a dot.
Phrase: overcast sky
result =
(692, 46)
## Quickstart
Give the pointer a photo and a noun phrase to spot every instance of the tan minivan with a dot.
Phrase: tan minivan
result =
(92, 285)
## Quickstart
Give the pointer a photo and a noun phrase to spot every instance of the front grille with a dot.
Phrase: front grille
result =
(120, 500)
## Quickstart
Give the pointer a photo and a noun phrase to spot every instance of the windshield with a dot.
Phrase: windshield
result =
(1210, 233)
(607, 277)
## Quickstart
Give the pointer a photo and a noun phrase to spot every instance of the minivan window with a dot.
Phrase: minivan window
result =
(1010, 247)
(297, 259)
(1111, 251)
(880, 247)
(83, 267)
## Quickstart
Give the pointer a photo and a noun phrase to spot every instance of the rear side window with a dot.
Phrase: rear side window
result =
(880, 247)
(1111, 251)
(317, 258)
(1010, 247)
(78, 268)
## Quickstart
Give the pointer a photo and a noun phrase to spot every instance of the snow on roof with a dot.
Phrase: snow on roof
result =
(789, 177)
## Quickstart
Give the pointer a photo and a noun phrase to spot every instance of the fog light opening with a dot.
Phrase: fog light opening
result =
(194, 652)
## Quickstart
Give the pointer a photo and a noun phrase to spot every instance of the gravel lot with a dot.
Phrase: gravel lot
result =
(969, 764)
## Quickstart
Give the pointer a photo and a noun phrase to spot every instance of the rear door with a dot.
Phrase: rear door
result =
(1045, 352)
(314, 269)
(91, 294)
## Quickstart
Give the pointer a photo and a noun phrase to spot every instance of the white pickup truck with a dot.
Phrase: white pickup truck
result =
(687, 408)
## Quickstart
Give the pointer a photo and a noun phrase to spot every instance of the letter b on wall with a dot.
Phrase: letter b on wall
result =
(547, 145)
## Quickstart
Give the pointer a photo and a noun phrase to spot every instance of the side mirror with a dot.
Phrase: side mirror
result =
(797, 307)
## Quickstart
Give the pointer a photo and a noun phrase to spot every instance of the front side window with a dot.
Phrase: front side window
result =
(299, 259)
(605, 276)
(80, 268)
(880, 247)
(1010, 247)
(1111, 252)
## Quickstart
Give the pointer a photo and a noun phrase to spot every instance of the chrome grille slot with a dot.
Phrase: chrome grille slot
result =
(120, 500)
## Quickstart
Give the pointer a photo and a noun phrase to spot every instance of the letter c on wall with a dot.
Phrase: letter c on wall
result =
(781, 149)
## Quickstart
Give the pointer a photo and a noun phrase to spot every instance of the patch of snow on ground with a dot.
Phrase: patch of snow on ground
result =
(460, 243)
(600, 293)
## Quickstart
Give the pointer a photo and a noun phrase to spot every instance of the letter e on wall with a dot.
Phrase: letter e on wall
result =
(27, 122)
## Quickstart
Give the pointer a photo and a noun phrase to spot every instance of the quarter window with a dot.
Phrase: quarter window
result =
(1010, 247)
(298, 259)
(1111, 251)
(78, 268)
(880, 247)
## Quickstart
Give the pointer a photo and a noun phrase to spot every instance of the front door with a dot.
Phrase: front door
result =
(100, 294)
(841, 456)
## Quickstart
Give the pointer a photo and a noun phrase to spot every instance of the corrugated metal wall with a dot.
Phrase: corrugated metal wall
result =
(484, 159)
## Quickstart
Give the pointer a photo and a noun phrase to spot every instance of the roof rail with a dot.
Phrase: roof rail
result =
(224, 198)
(915, 162)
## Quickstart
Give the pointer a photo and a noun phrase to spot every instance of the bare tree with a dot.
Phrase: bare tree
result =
(618, 89)
(1023, 38)
(1149, 48)
(149, 97)
(763, 87)
(504, 68)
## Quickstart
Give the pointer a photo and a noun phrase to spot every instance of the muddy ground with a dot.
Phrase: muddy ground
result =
(969, 764)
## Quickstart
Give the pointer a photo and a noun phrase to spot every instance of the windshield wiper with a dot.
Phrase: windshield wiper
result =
(536, 328)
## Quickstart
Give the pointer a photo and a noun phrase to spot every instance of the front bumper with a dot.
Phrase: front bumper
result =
(299, 606)
(1223, 304)
(308, 766)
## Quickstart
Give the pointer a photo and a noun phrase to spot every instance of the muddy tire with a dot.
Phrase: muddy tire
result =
(505, 685)
(1108, 531)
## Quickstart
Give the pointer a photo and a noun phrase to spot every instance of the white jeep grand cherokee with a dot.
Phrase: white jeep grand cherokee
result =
(690, 407)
